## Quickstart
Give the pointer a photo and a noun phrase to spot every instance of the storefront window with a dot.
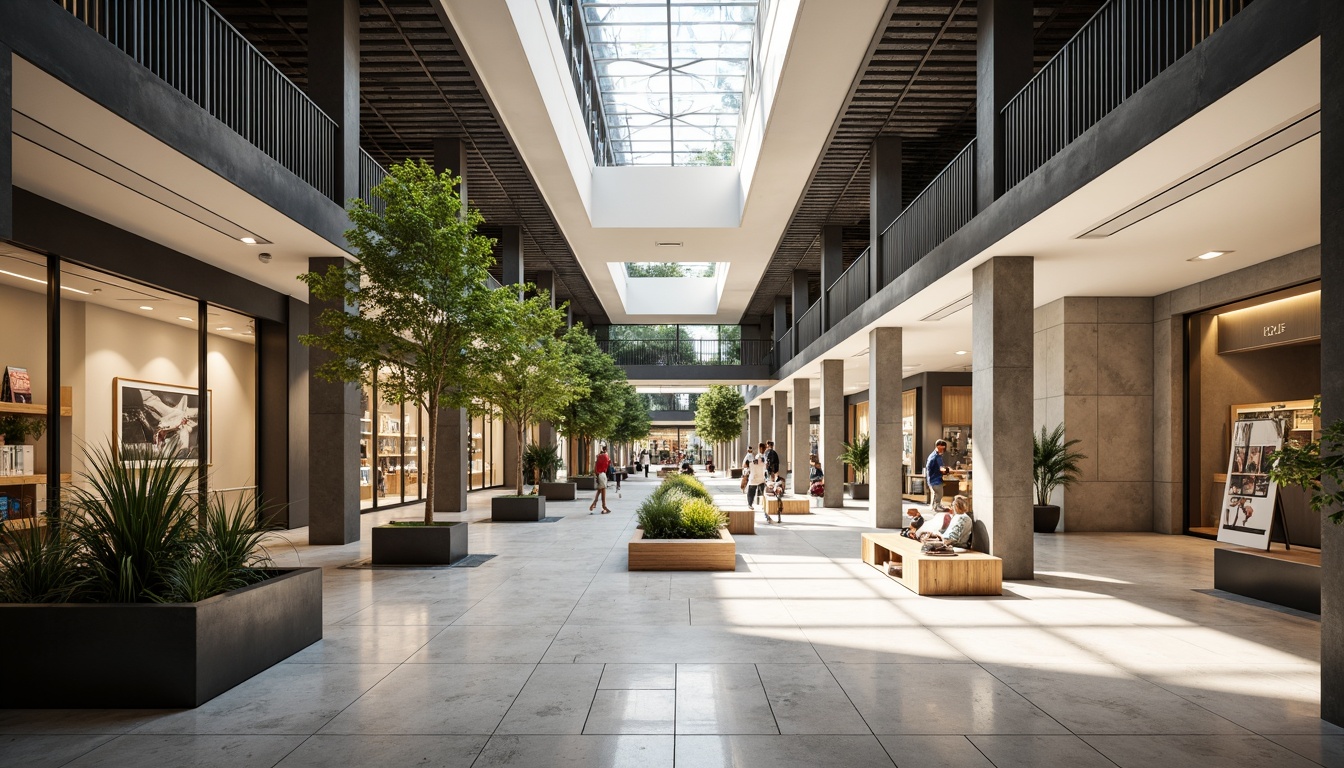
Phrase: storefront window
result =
(23, 361)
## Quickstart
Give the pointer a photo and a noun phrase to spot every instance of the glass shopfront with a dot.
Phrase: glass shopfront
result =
(667, 445)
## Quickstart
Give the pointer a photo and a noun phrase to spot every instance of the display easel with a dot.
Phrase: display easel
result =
(1282, 517)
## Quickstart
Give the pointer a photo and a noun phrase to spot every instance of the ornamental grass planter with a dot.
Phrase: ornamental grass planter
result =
(157, 655)
(683, 554)
(411, 544)
(517, 509)
(586, 483)
(557, 491)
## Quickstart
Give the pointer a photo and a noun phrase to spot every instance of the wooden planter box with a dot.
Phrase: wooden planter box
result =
(791, 506)
(588, 483)
(156, 656)
(683, 554)
(517, 509)
(741, 520)
(419, 544)
(557, 491)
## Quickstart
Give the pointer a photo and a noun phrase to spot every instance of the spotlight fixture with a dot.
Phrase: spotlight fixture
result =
(184, 318)
(225, 328)
(146, 308)
(961, 351)
(1209, 255)
(249, 240)
(264, 257)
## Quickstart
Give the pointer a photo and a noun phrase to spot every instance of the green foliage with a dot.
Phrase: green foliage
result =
(1316, 466)
(634, 422)
(541, 462)
(660, 518)
(598, 414)
(700, 519)
(721, 154)
(718, 414)
(17, 429)
(39, 566)
(521, 372)
(686, 485)
(416, 302)
(856, 456)
(1054, 465)
(654, 269)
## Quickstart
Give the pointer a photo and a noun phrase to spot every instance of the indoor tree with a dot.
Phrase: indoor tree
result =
(522, 373)
(1316, 466)
(597, 414)
(718, 414)
(417, 298)
(1054, 463)
(855, 455)
(634, 422)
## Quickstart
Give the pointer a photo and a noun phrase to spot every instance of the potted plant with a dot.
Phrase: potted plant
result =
(522, 374)
(856, 456)
(1054, 465)
(1316, 466)
(542, 462)
(418, 297)
(680, 529)
(17, 429)
(718, 418)
(183, 595)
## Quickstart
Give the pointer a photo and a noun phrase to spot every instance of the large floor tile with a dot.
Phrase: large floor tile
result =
(1259, 699)
(577, 752)
(682, 645)
(522, 607)
(645, 711)
(781, 752)
(639, 676)
(881, 645)
(806, 699)
(555, 700)
(376, 751)
(365, 644)
(234, 751)
(1196, 752)
(1323, 749)
(439, 612)
(934, 752)
(436, 699)
(722, 699)
(741, 612)
(463, 644)
(48, 751)
(76, 721)
(631, 612)
(1033, 751)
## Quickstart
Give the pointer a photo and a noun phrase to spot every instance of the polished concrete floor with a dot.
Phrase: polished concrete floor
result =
(552, 654)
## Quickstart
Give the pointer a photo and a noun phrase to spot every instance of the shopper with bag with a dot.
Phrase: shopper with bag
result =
(600, 470)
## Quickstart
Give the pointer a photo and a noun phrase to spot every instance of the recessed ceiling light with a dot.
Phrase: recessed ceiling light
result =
(225, 328)
(184, 318)
(961, 351)
(41, 282)
(249, 240)
(1209, 255)
(147, 308)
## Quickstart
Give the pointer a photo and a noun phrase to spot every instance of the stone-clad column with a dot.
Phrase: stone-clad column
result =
(767, 419)
(780, 432)
(1001, 364)
(833, 430)
(802, 419)
(884, 426)
(453, 452)
(333, 438)
(884, 203)
(753, 427)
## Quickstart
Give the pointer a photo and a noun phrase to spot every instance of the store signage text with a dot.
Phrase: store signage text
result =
(1293, 320)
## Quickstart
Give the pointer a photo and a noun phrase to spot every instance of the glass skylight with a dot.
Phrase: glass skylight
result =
(672, 75)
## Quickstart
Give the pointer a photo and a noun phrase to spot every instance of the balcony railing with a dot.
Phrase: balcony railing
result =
(1118, 51)
(581, 70)
(671, 401)
(188, 45)
(849, 290)
(784, 347)
(808, 327)
(683, 351)
(370, 174)
(933, 216)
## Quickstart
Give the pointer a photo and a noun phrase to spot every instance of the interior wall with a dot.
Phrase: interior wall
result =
(23, 344)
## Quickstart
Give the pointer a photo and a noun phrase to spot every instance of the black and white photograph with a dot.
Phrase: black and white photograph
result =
(1239, 459)
(162, 419)
(1248, 498)
(1241, 433)
(1253, 454)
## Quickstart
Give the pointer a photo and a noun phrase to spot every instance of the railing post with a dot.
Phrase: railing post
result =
(333, 84)
(782, 321)
(832, 266)
(1003, 66)
(884, 202)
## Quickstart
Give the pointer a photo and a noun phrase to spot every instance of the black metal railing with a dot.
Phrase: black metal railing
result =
(188, 45)
(370, 174)
(671, 401)
(808, 327)
(784, 347)
(945, 205)
(1118, 51)
(683, 351)
(579, 61)
(849, 290)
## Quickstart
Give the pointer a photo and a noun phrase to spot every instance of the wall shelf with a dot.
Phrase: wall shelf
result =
(31, 479)
(40, 409)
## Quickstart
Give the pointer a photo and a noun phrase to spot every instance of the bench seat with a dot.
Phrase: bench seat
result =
(969, 573)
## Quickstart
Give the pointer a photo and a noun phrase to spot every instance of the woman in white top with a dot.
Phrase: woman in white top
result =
(754, 469)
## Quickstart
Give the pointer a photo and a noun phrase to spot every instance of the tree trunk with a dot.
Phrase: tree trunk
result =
(428, 469)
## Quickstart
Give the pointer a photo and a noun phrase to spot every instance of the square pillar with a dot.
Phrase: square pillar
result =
(800, 294)
(884, 426)
(780, 431)
(545, 281)
(1003, 55)
(833, 430)
(802, 419)
(767, 420)
(884, 202)
(333, 83)
(451, 460)
(333, 439)
(832, 266)
(1002, 322)
(511, 259)
(282, 401)
(753, 427)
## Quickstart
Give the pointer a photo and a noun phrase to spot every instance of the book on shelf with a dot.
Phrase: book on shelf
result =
(17, 387)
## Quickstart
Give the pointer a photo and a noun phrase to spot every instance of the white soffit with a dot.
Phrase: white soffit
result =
(813, 51)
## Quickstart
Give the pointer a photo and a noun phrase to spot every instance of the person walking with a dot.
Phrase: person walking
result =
(934, 469)
(771, 461)
(600, 475)
(756, 482)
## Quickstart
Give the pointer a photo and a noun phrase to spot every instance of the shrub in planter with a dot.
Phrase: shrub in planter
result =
(660, 517)
(685, 485)
(701, 520)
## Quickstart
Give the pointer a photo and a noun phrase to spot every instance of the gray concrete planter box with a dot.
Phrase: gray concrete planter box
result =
(588, 483)
(857, 491)
(517, 509)
(557, 491)
(157, 656)
(735, 472)
(419, 544)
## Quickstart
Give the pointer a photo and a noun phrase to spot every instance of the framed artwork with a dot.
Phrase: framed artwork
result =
(148, 416)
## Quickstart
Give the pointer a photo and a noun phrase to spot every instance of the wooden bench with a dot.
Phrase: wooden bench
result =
(969, 573)
(791, 506)
(741, 520)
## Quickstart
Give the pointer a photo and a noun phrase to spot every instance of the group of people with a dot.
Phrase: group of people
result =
(761, 476)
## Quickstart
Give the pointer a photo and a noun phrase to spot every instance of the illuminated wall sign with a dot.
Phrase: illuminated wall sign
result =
(1293, 320)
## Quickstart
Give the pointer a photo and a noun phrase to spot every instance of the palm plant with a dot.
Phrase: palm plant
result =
(541, 462)
(856, 456)
(1054, 463)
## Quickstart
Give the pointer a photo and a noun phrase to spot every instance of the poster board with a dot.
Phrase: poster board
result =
(1246, 516)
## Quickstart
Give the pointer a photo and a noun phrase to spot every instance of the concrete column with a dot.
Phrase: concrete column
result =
(832, 266)
(546, 433)
(800, 294)
(780, 431)
(333, 439)
(767, 420)
(884, 202)
(1001, 365)
(451, 155)
(282, 399)
(884, 426)
(333, 83)
(1003, 54)
(453, 449)
(802, 418)
(545, 281)
(753, 427)
(744, 439)
(833, 430)
(6, 147)
(1332, 346)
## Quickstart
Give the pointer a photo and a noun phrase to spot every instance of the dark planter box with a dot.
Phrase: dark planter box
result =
(585, 483)
(857, 491)
(557, 491)
(1044, 519)
(419, 544)
(629, 470)
(157, 656)
(1289, 578)
(735, 472)
(517, 509)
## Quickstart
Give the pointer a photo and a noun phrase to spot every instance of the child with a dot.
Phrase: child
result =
(916, 521)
